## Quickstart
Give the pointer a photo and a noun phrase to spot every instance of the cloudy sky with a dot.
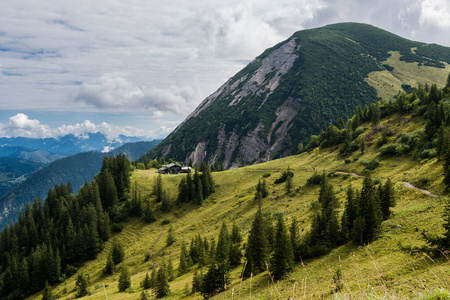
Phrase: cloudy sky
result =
(139, 67)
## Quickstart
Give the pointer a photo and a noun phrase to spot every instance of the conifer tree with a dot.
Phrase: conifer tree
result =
(148, 215)
(153, 278)
(235, 246)
(222, 258)
(257, 249)
(109, 266)
(196, 282)
(283, 255)
(289, 184)
(117, 252)
(170, 271)
(387, 199)
(293, 233)
(146, 282)
(47, 294)
(183, 265)
(170, 236)
(81, 285)
(349, 215)
(158, 189)
(162, 287)
(124, 279)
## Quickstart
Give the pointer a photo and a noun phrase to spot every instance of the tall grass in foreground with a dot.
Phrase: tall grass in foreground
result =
(301, 287)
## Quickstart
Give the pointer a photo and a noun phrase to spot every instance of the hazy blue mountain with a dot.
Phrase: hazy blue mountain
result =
(77, 169)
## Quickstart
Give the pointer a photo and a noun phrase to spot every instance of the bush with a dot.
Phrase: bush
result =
(428, 153)
(284, 176)
(394, 149)
(165, 222)
(116, 227)
(370, 164)
(347, 161)
(422, 182)
(315, 178)
(265, 175)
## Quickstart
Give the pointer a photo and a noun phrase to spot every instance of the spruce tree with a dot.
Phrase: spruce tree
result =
(162, 287)
(170, 271)
(47, 294)
(293, 233)
(124, 279)
(387, 199)
(117, 252)
(146, 282)
(158, 189)
(81, 285)
(170, 237)
(235, 247)
(283, 256)
(349, 215)
(109, 266)
(183, 265)
(257, 249)
(222, 258)
(148, 215)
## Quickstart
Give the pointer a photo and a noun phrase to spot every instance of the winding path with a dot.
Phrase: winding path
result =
(405, 184)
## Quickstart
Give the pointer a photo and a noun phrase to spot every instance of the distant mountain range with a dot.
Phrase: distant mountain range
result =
(65, 146)
(298, 88)
(77, 169)
(29, 155)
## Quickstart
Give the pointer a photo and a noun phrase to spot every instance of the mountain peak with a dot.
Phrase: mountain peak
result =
(295, 89)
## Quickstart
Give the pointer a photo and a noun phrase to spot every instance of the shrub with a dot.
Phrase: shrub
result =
(422, 182)
(116, 227)
(284, 176)
(394, 149)
(315, 178)
(370, 164)
(165, 222)
(265, 175)
(347, 161)
(428, 153)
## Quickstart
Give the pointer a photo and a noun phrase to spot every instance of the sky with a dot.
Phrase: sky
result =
(139, 67)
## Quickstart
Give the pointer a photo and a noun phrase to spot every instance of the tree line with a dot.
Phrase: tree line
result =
(52, 239)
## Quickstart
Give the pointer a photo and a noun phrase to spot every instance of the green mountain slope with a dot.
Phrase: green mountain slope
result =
(397, 264)
(77, 169)
(297, 88)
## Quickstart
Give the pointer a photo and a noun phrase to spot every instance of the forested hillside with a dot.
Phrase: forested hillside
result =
(298, 88)
(76, 169)
(358, 213)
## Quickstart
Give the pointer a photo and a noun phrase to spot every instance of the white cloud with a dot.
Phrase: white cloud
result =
(435, 13)
(21, 125)
(115, 92)
(135, 56)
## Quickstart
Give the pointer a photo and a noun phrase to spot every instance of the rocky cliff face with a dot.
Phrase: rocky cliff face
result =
(293, 90)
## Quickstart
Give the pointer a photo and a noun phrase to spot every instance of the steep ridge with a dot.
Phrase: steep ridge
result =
(295, 89)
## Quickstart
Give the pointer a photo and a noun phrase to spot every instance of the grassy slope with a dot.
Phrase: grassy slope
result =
(388, 83)
(380, 268)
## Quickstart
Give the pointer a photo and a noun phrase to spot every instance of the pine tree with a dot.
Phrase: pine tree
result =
(257, 249)
(153, 278)
(162, 287)
(109, 266)
(81, 285)
(386, 199)
(170, 237)
(170, 271)
(148, 214)
(158, 189)
(289, 184)
(124, 279)
(235, 247)
(222, 258)
(349, 215)
(47, 294)
(196, 282)
(283, 256)
(117, 252)
(183, 265)
(293, 232)
(146, 282)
